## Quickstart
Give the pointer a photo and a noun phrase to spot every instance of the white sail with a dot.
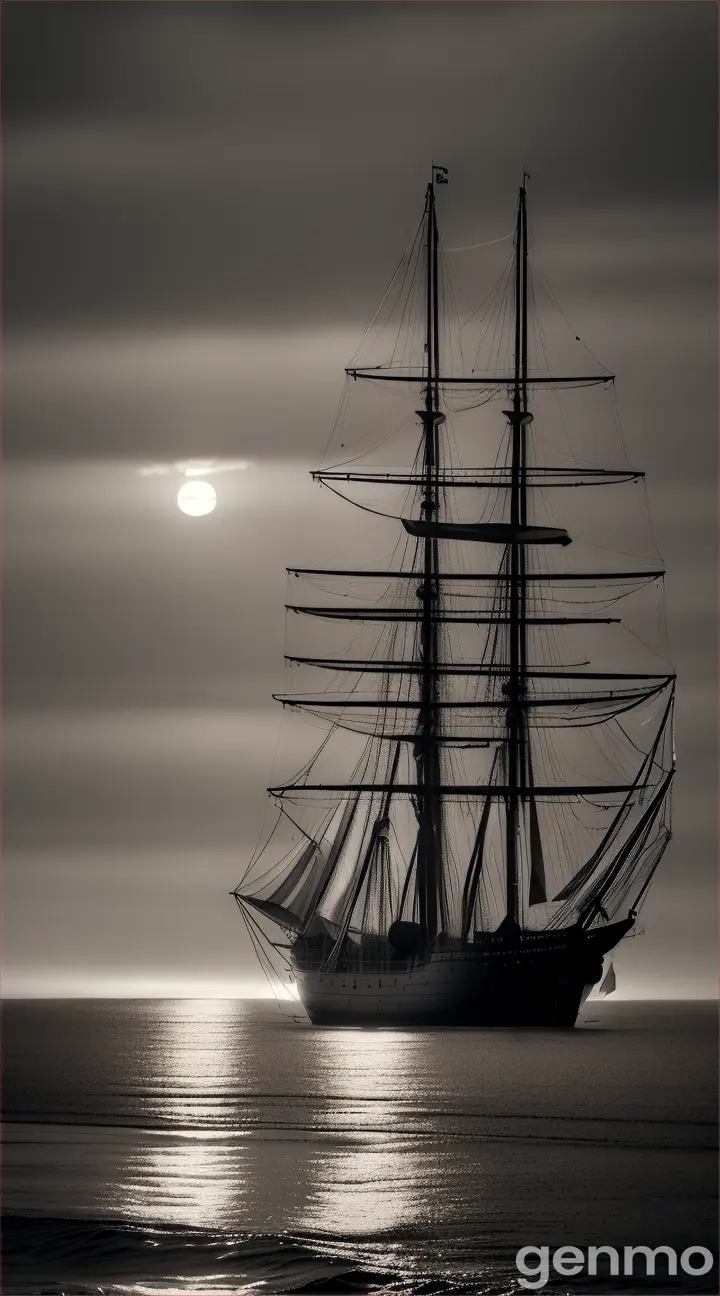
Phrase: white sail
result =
(608, 983)
(294, 901)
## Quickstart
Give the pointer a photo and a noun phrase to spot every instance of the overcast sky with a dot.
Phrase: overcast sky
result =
(203, 204)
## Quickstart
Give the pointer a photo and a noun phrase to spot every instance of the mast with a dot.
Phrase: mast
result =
(506, 720)
(427, 750)
(518, 417)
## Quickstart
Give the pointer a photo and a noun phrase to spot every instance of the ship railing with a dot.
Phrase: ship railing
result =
(358, 964)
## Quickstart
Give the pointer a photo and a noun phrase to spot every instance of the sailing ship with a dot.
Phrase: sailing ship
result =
(495, 832)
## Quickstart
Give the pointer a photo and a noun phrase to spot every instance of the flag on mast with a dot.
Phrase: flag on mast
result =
(440, 174)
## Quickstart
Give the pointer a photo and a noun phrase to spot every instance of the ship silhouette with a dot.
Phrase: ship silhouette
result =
(502, 820)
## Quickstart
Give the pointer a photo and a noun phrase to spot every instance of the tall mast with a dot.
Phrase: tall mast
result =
(518, 417)
(427, 751)
(412, 699)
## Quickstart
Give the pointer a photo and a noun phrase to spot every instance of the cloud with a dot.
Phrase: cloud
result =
(260, 166)
(202, 206)
(194, 468)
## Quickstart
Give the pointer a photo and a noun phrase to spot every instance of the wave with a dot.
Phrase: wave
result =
(83, 1257)
(45, 1256)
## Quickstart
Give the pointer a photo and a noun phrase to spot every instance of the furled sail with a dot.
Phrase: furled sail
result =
(498, 533)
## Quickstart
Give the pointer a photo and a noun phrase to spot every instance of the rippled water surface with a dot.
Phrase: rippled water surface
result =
(218, 1145)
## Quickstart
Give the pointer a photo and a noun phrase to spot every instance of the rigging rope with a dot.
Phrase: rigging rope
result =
(470, 247)
(567, 829)
(365, 507)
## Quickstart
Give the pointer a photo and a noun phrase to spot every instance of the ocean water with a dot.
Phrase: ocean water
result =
(221, 1146)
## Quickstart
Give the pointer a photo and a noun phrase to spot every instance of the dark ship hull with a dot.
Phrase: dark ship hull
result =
(506, 978)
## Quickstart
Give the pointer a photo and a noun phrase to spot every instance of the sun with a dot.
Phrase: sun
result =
(196, 498)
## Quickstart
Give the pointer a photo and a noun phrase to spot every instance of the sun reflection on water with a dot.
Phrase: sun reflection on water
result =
(246, 1123)
(189, 1171)
(376, 1184)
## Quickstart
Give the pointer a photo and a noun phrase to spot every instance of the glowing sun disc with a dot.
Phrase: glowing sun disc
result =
(196, 498)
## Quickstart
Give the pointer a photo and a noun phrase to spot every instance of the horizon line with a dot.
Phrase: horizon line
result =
(266, 998)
